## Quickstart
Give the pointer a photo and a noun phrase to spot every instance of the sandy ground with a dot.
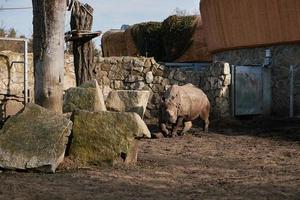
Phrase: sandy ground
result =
(222, 164)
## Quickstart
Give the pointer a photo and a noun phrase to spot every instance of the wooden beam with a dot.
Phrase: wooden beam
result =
(81, 35)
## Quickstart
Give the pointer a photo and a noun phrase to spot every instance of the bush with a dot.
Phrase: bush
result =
(177, 35)
(148, 39)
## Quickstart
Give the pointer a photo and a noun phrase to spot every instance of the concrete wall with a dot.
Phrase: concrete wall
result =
(145, 74)
(12, 80)
(282, 57)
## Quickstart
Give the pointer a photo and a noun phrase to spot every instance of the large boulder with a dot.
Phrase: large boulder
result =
(128, 101)
(34, 139)
(88, 96)
(103, 136)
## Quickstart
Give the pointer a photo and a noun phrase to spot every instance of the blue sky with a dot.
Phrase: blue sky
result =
(108, 13)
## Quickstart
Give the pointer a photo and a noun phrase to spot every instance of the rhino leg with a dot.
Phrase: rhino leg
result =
(206, 124)
(164, 129)
(177, 126)
(187, 126)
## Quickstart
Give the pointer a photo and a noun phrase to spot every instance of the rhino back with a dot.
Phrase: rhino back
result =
(193, 102)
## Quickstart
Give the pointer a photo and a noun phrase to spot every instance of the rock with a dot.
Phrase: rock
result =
(227, 80)
(158, 70)
(128, 101)
(220, 68)
(105, 67)
(105, 91)
(158, 80)
(118, 85)
(34, 139)
(171, 74)
(132, 153)
(138, 66)
(148, 63)
(180, 76)
(117, 75)
(133, 78)
(103, 136)
(158, 88)
(86, 97)
(138, 85)
(149, 77)
(157, 135)
(105, 80)
(226, 69)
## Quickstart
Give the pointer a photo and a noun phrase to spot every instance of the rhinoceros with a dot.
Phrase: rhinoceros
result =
(182, 104)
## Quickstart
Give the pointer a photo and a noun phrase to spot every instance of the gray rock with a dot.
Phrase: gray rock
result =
(149, 77)
(86, 97)
(158, 80)
(171, 74)
(227, 80)
(138, 66)
(105, 91)
(180, 75)
(102, 136)
(34, 139)
(133, 78)
(118, 85)
(128, 101)
(137, 85)
(158, 88)
(148, 63)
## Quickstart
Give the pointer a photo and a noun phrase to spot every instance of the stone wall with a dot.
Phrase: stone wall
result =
(12, 81)
(282, 57)
(119, 73)
(131, 73)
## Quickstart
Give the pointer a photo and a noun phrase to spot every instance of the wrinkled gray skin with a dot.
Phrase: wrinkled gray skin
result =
(182, 104)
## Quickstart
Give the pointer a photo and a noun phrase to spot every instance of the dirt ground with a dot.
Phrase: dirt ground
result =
(247, 163)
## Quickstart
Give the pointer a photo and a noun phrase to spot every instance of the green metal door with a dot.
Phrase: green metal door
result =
(248, 87)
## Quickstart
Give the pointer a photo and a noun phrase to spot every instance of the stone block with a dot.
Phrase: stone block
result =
(88, 96)
(34, 139)
(132, 153)
(128, 101)
(101, 137)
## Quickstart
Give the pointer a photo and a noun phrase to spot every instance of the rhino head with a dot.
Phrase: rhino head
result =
(170, 102)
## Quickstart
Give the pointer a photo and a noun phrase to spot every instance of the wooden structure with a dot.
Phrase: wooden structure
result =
(81, 36)
(234, 24)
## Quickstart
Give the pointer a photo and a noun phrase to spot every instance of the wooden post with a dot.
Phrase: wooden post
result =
(82, 20)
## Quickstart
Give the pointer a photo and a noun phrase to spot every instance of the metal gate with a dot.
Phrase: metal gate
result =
(248, 90)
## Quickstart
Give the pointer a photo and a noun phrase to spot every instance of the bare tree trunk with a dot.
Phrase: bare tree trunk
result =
(82, 20)
(48, 49)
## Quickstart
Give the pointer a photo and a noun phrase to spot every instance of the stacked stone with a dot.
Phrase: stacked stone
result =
(12, 81)
(282, 57)
(216, 84)
(132, 73)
